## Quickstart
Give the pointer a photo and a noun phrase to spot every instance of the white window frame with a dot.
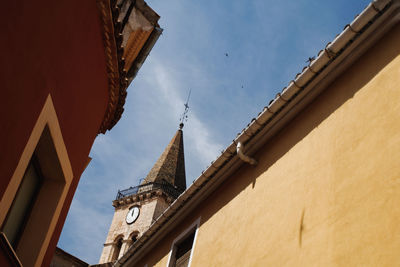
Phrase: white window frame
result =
(194, 226)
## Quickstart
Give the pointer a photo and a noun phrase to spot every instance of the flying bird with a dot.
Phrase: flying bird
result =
(226, 54)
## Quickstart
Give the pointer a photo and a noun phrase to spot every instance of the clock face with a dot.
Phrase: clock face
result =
(132, 215)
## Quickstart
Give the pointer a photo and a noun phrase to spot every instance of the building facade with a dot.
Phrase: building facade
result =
(65, 70)
(313, 179)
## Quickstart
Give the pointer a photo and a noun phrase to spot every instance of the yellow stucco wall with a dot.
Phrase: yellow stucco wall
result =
(338, 162)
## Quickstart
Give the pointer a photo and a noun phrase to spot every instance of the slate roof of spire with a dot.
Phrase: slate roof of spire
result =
(170, 167)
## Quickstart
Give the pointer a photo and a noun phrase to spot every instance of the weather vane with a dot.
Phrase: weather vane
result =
(184, 116)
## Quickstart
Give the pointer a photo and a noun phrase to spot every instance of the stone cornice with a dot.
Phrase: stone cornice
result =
(117, 85)
(141, 197)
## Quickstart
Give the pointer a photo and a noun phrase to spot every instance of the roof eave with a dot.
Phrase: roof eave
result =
(144, 52)
(118, 78)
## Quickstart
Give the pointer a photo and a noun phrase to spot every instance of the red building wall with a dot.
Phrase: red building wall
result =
(51, 47)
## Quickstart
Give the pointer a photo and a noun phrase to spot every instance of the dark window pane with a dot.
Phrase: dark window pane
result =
(22, 204)
(183, 250)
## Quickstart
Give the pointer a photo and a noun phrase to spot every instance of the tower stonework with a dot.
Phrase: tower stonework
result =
(136, 208)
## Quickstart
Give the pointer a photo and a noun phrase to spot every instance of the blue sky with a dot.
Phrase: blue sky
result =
(267, 42)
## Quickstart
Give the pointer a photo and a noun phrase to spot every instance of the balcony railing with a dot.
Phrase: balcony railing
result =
(164, 186)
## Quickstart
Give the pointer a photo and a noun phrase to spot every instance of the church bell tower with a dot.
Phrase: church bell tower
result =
(136, 208)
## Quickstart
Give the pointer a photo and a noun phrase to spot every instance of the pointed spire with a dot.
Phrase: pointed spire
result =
(170, 167)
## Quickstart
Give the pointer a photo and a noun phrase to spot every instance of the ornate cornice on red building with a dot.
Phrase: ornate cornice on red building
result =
(130, 29)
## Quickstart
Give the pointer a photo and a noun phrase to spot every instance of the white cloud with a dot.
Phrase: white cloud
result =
(86, 227)
(202, 146)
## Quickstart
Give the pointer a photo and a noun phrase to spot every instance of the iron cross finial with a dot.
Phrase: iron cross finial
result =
(184, 116)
